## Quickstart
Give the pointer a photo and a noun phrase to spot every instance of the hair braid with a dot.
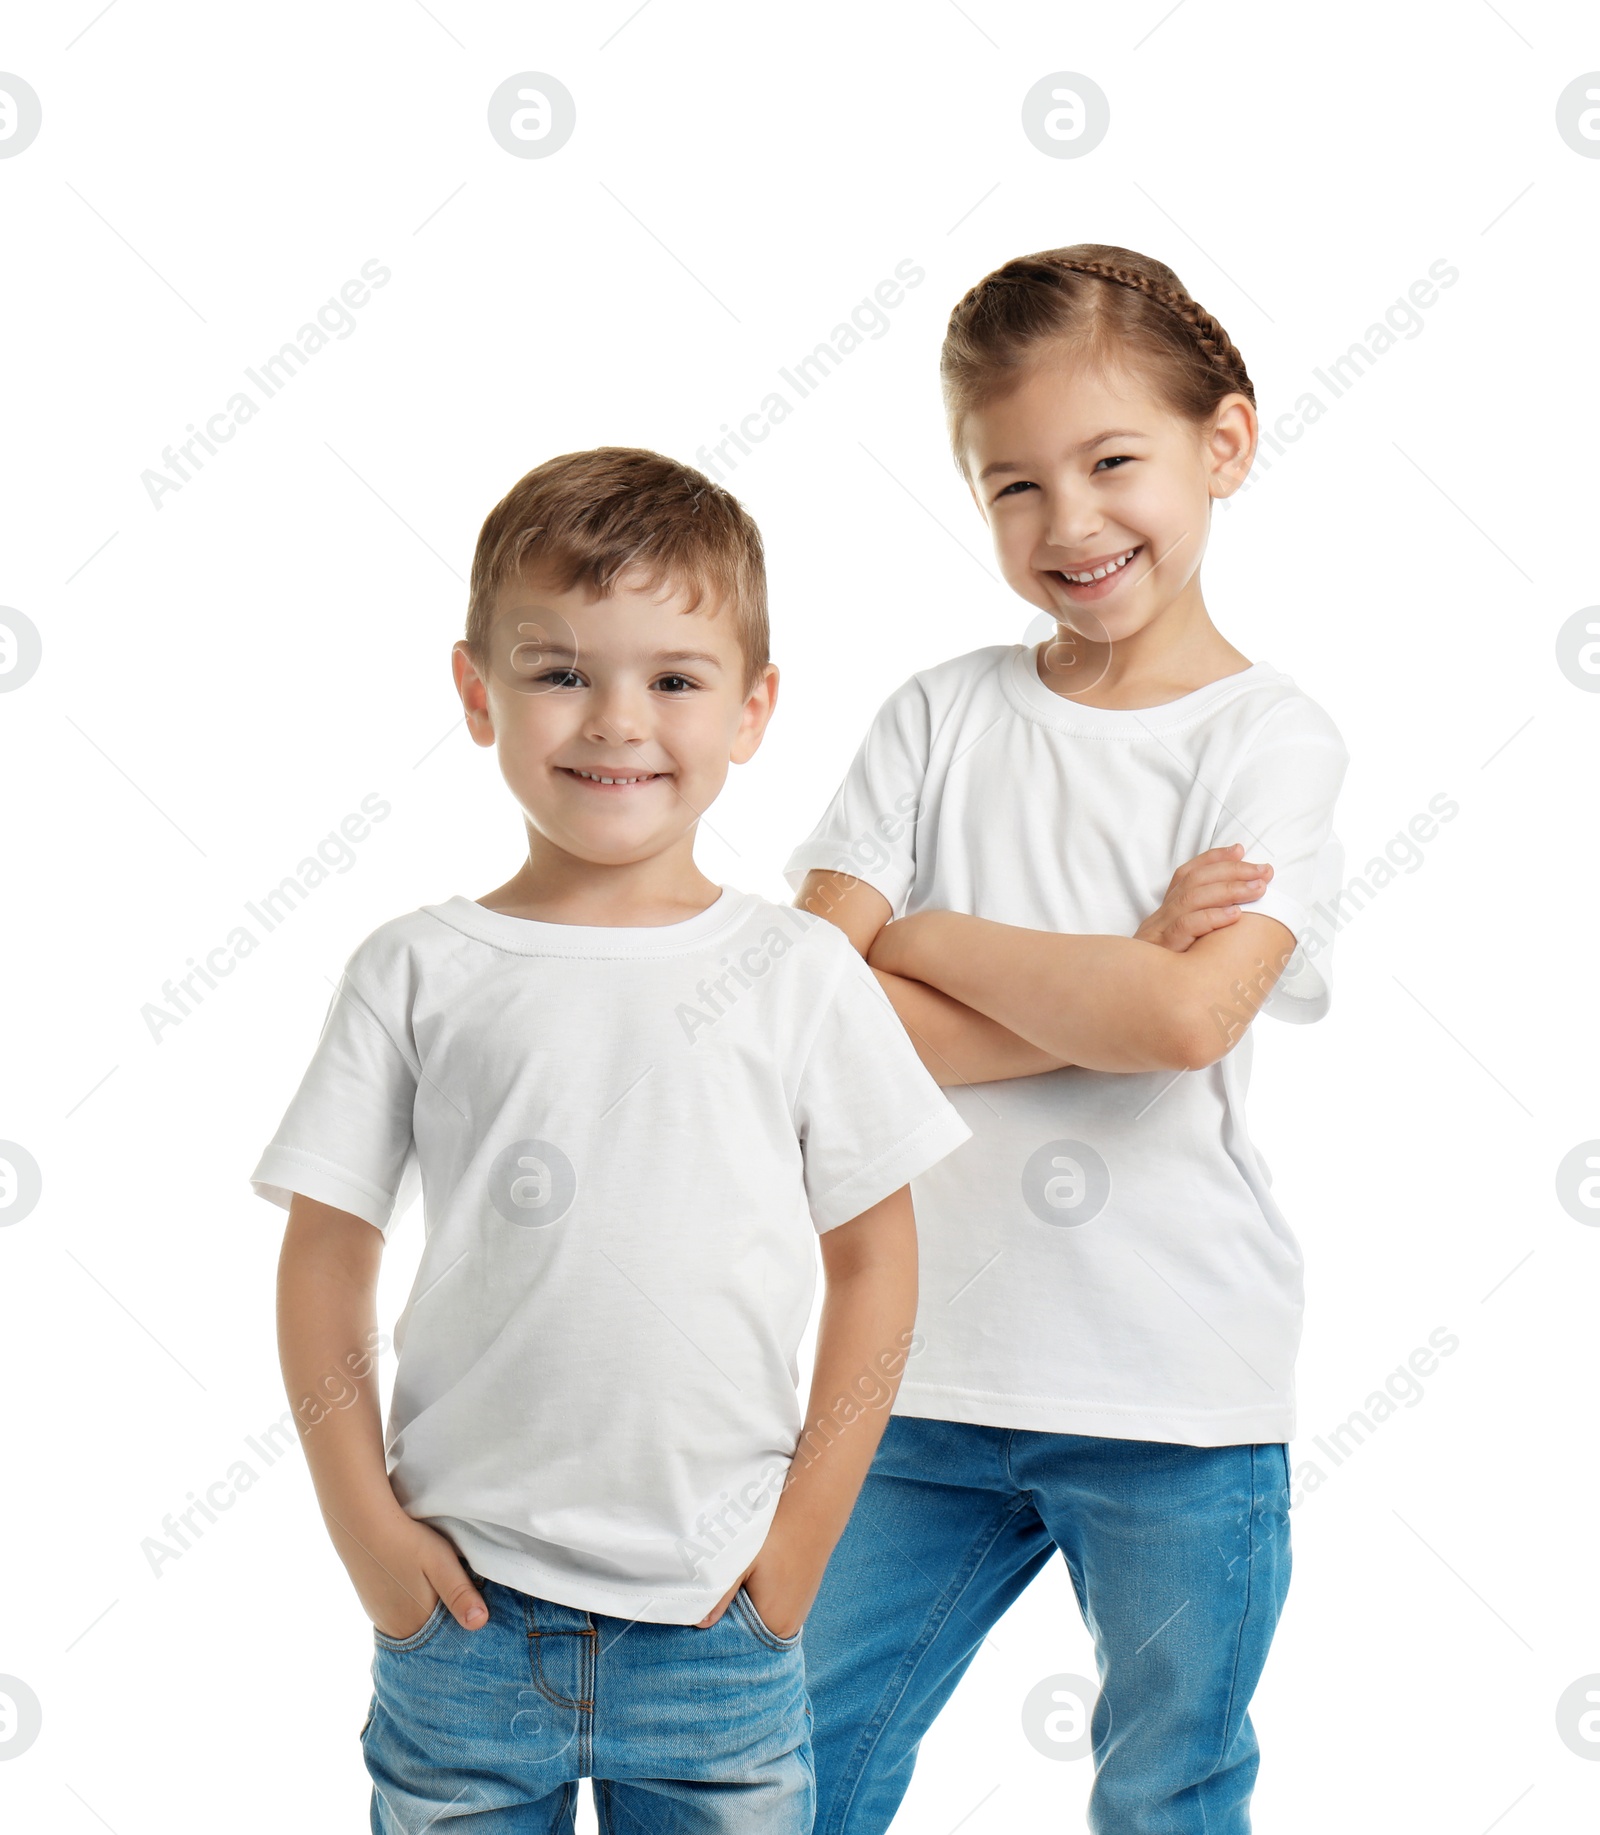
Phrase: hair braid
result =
(1214, 343)
(1140, 316)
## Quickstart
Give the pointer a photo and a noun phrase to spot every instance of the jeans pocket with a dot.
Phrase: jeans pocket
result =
(420, 1636)
(758, 1625)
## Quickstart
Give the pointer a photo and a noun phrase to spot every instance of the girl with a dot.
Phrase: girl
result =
(1110, 1299)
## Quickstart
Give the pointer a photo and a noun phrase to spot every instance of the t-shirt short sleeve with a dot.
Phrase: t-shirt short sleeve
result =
(868, 1115)
(346, 1137)
(1280, 806)
(869, 829)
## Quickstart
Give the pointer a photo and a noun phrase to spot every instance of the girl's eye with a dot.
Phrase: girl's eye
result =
(1022, 484)
(1116, 458)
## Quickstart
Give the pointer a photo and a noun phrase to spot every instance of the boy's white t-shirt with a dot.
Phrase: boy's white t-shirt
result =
(626, 1140)
(1104, 1255)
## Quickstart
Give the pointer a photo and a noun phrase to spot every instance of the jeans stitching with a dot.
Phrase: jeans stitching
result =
(1226, 1739)
(1249, 1600)
(536, 1664)
(424, 1633)
(591, 1686)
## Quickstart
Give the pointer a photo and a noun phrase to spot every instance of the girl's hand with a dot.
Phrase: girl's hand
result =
(1206, 894)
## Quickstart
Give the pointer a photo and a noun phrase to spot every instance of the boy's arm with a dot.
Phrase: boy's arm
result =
(868, 1311)
(1108, 1003)
(327, 1328)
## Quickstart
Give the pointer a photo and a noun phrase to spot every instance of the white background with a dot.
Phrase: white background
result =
(225, 677)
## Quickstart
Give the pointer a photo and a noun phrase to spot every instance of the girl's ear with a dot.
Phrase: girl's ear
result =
(1231, 443)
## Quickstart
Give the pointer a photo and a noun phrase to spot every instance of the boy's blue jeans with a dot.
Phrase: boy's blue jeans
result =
(1180, 1559)
(684, 1731)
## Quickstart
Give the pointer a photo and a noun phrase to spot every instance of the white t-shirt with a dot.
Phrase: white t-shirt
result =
(1103, 1256)
(626, 1141)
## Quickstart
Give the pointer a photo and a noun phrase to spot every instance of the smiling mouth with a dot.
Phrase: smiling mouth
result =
(1102, 571)
(612, 780)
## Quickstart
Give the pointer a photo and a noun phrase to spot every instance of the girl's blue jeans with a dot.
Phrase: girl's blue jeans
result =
(1179, 1556)
(684, 1731)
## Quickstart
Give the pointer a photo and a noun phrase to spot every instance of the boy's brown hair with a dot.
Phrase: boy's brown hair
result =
(1114, 305)
(587, 516)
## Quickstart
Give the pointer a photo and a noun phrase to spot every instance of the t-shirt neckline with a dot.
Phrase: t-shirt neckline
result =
(535, 937)
(1032, 697)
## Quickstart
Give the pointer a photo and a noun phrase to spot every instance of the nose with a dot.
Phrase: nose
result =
(1072, 517)
(617, 714)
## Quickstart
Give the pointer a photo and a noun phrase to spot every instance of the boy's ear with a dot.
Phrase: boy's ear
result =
(758, 709)
(474, 693)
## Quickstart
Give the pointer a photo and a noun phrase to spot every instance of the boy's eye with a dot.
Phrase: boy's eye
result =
(1022, 484)
(559, 678)
(676, 684)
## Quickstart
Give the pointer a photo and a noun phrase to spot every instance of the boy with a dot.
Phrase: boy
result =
(629, 1097)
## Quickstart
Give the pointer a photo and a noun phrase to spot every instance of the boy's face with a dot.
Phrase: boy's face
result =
(1084, 468)
(627, 688)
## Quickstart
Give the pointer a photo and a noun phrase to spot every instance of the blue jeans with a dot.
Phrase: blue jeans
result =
(684, 1731)
(1179, 1556)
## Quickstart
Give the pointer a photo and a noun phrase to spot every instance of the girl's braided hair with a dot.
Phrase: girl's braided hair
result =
(1114, 306)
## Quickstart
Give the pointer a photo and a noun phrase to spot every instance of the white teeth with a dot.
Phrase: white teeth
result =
(594, 777)
(1083, 579)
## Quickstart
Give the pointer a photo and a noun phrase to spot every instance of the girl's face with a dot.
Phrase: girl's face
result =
(1080, 473)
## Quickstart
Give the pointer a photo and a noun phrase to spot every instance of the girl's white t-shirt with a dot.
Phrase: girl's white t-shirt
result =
(1103, 1256)
(626, 1141)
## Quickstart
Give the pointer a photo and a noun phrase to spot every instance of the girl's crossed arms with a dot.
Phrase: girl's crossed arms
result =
(984, 1000)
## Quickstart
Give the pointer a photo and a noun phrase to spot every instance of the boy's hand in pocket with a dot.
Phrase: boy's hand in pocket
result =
(401, 1568)
(1206, 894)
(787, 1586)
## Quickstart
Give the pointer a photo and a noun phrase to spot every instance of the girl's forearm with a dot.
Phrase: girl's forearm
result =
(957, 1044)
(1108, 1003)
